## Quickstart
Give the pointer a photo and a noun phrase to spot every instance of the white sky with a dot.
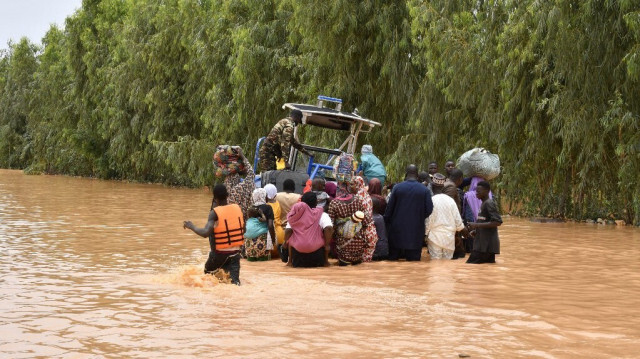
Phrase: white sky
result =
(32, 18)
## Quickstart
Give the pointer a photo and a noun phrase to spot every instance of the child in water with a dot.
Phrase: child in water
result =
(486, 243)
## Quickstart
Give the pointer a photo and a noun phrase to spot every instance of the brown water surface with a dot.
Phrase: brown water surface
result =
(100, 269)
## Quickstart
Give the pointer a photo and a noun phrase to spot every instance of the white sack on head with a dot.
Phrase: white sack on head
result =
(479, 162)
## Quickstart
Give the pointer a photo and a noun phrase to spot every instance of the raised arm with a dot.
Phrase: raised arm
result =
(250, 177)
(207, 230)
(288, 140)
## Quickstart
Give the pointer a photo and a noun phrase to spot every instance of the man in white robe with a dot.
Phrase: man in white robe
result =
(442, 224)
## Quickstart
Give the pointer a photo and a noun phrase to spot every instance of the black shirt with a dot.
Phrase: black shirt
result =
(267, 210)
(486, 239)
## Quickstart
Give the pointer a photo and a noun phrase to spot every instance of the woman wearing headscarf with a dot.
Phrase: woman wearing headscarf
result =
(272, 191)
(368, 227)
(259, 248)
(371, 165)
(349, 249)
(240, 188)
(331, 187)
(308, 233)
(379, 206)
(375, 191)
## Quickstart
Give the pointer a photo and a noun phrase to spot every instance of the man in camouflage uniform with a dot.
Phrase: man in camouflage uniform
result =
(279, 141)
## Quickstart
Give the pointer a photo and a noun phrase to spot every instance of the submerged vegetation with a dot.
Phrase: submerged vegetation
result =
(145, 89)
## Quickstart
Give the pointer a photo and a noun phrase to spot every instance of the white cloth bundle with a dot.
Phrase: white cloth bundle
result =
(479, 162)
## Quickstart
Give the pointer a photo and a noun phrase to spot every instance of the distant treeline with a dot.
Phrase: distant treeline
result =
(144, 89)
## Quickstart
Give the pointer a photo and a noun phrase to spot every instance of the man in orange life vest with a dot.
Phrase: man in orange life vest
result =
(225, 229)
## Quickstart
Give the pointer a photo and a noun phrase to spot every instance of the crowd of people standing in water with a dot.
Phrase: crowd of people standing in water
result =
(359, 218)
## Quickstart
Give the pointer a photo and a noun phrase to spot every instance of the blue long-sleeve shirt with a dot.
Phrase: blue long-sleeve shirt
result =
(409, 205)
(371, 166)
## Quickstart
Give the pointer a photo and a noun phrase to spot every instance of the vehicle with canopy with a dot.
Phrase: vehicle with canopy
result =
(327, 118)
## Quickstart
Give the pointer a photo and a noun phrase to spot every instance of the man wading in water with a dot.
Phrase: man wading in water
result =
(409, 205)
(225, 229)
(486, 243)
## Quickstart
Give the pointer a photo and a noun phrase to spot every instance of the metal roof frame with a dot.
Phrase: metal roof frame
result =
(333, 119)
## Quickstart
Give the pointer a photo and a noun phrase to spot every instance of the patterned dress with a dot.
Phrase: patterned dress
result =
(256, 248)
(240, 191)
(368, 226)
(349, 250)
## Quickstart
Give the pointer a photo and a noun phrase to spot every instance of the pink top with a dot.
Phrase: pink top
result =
(307, 234)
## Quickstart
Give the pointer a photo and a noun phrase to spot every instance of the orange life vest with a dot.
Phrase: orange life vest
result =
(230, 229)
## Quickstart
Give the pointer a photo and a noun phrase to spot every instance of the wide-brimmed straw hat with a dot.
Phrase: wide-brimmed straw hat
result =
(357, 217)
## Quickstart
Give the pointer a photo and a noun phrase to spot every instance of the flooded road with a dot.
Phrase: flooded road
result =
(99, 269)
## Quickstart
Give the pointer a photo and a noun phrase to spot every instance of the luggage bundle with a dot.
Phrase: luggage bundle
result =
(227, 161)
(343, 167)
(479, 162)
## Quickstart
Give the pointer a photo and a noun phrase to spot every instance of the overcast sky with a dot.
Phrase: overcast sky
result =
(32, 18)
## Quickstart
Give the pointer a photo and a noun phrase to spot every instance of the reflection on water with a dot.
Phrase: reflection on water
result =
(93, 269)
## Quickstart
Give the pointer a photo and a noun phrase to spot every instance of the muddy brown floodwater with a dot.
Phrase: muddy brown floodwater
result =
(100, 269)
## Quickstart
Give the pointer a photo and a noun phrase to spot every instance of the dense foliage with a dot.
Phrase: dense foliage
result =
(144, 89)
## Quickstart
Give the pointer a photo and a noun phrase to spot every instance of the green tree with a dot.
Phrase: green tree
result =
(18, 67)
(144, 90)
(361, 52)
